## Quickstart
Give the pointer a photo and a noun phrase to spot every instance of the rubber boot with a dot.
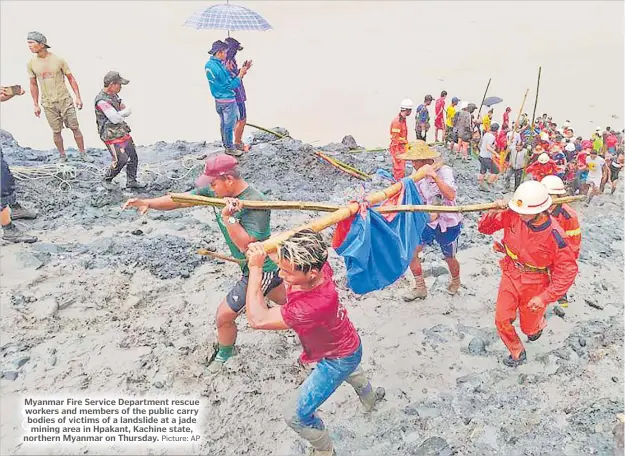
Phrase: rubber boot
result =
(19, 212)
(564, 301)
(511, 362)
(367, 395)
(454, 286)
(535, 337)
(221, 354)
(11, 233)
(420, 291)
(319, 439)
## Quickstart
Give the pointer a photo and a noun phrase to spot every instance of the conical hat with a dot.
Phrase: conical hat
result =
(419, 150)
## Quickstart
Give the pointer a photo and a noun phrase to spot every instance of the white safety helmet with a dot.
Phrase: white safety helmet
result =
(566, 124)
(530, 198)
(406, 103)
(570, 147)
(464, 105)
(598, 129)
(543, 158)
(544, 136)
(554, 185)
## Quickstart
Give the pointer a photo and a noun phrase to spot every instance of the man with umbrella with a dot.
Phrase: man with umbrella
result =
(239, 92)
(222, 85)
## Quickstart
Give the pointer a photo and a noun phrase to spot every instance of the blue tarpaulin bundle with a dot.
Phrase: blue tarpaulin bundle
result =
(378, 251)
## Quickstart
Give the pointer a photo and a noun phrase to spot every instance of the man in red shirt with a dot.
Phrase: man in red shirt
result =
(314, 312)
(399, 138)
(543, 166)
(439, 120)
(539, 265)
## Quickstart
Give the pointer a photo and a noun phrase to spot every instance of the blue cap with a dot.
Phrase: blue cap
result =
(455, 100)
(218, 46)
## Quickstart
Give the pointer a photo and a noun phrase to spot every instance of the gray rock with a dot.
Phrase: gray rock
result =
(52, 360)
(434, 446)
(477, 346)
(28, 260)
(158, 385)
(21, 361)
(582, 342)
(438, 271)
(51, 249)
(10, 375)
(102, 245)
(350, 142)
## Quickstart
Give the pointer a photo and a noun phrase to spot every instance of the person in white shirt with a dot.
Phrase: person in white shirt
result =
(595, 165)
(487, 152)
(518, 159)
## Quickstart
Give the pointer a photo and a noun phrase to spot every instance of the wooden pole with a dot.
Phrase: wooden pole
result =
(466, 208)
(343, 213)
(197, 200)
(219, 256)
(516, 126)
(535, 102)
(483, 98)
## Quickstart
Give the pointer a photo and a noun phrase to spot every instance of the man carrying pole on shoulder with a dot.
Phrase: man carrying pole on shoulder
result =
(240, 227)
(313, 310)
(538, 268)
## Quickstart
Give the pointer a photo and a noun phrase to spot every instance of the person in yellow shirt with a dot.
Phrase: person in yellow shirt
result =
(47, 73)
(450, 112)
(486, 121)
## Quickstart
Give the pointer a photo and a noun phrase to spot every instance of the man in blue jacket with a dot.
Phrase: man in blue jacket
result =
(222, 85)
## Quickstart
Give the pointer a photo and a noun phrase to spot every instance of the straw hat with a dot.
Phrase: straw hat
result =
(419, 150)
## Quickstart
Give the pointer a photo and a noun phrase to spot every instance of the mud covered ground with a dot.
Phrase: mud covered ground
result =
(111, 303)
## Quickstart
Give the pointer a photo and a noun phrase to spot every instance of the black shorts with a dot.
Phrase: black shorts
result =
(236, 297)
(487, 164)
(614, 173)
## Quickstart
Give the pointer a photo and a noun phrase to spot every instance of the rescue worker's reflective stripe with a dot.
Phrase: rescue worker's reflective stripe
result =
(515, 258)
(577, 232)
(395, 130)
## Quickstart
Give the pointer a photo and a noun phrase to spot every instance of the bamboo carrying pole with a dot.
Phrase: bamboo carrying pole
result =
(197, 200)
(343, 213)
(388, 209)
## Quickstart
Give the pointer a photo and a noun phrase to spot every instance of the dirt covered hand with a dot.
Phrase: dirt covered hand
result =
(536, 304)
(233, 205)
(255, 255)
(142, 206)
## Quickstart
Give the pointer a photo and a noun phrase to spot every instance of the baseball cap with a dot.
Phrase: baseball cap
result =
(231, 42)
(113, 77)
(428, 98)
(218, 46)
(38, 37)
(216, 166)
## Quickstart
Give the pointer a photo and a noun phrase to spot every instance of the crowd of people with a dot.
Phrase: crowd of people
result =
(540, 245)
(519, 150)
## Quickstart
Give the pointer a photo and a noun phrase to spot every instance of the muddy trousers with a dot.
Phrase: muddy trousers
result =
(9, 196)
(300, 412)
(515, 291)
(123, 154)
(399, 166)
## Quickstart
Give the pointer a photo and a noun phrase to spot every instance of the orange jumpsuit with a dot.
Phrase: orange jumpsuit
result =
(567, 219)
(399, 140)
(539, 170)
(538, 262)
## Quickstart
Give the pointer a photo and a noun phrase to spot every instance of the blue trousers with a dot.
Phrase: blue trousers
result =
(319, 386)
(228, 117)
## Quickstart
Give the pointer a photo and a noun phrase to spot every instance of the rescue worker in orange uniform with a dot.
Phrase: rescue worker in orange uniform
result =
(399, 138)
(539, 266)
(566, 218)
(542, 167)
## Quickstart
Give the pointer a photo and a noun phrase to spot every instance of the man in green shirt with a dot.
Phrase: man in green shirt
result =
(240, 227)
